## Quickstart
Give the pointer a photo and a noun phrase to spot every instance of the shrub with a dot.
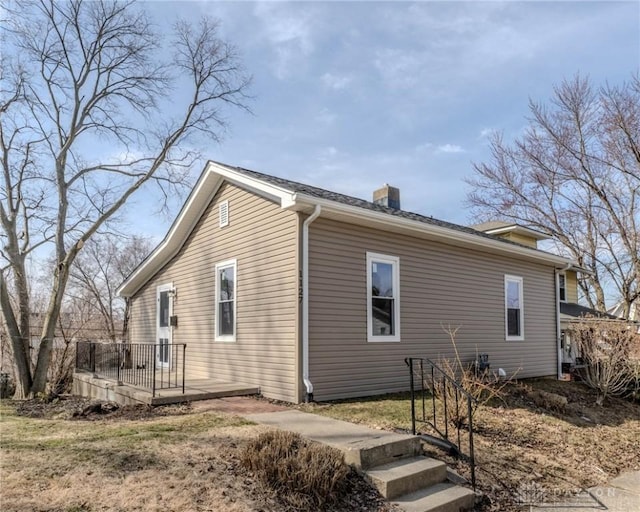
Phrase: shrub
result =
(302, 474)
(610, 351)
(481, 386)
(60, 374)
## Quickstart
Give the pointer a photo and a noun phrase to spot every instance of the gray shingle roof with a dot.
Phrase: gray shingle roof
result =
(578, 311)
(294, 186)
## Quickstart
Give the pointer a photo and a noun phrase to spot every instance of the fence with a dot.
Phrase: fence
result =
(145, 365)
(429, 383)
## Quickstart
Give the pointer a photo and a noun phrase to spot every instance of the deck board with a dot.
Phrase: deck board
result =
(87, 384)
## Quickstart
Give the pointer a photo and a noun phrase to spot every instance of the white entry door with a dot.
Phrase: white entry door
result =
(163, 337)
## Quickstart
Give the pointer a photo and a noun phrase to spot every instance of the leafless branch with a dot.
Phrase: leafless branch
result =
(84, 125)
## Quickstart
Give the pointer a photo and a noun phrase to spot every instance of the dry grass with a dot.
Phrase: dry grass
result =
(141, 459)
(384, 412)
(529, 436)
(560, 448)
(166, 463)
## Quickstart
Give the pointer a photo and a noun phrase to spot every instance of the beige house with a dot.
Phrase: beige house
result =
(307, 293)
(570, 311)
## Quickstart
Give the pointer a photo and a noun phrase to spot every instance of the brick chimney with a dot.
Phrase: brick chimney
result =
(387, 196)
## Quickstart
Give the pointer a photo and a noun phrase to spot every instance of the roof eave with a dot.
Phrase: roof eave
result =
(521, 230)
(212, 177)
(440, 232)
(215, 174)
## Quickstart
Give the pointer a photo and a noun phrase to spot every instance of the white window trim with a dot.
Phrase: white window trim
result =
(565, 287)
(166, 287)
(224, 264)
(225, 205)
(519, 280)
(395, 261)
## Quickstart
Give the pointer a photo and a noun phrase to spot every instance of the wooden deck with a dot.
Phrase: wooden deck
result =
(86, 384)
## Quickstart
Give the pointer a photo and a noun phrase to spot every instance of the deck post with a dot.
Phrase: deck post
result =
(184, 353)
(153, 374)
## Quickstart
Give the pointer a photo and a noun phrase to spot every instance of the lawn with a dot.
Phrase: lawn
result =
(137, 459)
(174, 462)
(183, 458)
(520, 445)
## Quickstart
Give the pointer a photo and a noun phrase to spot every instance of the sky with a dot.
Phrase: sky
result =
(351, 95)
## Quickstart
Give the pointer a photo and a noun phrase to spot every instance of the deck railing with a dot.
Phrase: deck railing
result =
(449, 418)
(144, 365)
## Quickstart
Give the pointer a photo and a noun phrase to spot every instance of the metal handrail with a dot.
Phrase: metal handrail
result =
(438, 378)
(134, 363)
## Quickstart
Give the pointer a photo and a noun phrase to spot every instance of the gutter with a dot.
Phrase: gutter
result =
(556, 273)
(305, 302)
(443, 233)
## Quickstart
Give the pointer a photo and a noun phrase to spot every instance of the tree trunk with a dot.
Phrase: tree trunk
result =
(600, 304)
(49, 327)
(19, 343)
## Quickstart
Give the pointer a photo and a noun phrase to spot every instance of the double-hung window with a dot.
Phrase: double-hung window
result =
(226, 301)
(562, 287)
(514, 312)
(383, 297)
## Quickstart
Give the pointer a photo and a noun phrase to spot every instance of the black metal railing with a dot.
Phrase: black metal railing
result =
(451, 419)
(145, 365)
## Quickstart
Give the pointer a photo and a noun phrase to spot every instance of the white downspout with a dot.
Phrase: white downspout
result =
(305, 302)
(557, 272)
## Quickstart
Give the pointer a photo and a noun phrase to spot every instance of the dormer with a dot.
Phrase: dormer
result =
(512, 232)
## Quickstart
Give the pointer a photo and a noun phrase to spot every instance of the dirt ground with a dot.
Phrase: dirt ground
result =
(74, 455)
(525, 443)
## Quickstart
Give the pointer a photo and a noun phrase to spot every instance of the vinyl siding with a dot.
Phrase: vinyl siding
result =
(571, 284)
(440, 286)
(521, 239)
(263, 239)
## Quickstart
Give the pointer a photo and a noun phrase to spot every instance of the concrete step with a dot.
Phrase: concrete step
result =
(407, 475)
(377, 452)
(443, 497)
(362, 447)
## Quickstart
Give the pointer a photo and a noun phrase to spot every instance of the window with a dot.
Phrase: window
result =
(383, 297)
(513, 308)
(226, 301)
(562, 287)
(224, 213)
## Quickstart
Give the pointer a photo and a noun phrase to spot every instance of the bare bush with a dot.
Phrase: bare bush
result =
(60, 376)
(609, 350)
(482, 386)
(304, 475)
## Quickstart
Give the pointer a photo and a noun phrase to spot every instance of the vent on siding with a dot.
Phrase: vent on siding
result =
(224, 213)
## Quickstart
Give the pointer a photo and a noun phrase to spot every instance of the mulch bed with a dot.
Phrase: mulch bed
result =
(69, 407)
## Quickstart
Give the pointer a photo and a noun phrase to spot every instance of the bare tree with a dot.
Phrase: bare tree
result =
(104, 263)
(575, 174)
(93, 106)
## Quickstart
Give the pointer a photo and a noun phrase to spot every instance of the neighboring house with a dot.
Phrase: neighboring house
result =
(634, 311)
(571, 313)
(310, 293)
(72, 327)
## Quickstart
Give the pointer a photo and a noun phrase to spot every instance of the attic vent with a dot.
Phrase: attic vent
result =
(224, 213)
